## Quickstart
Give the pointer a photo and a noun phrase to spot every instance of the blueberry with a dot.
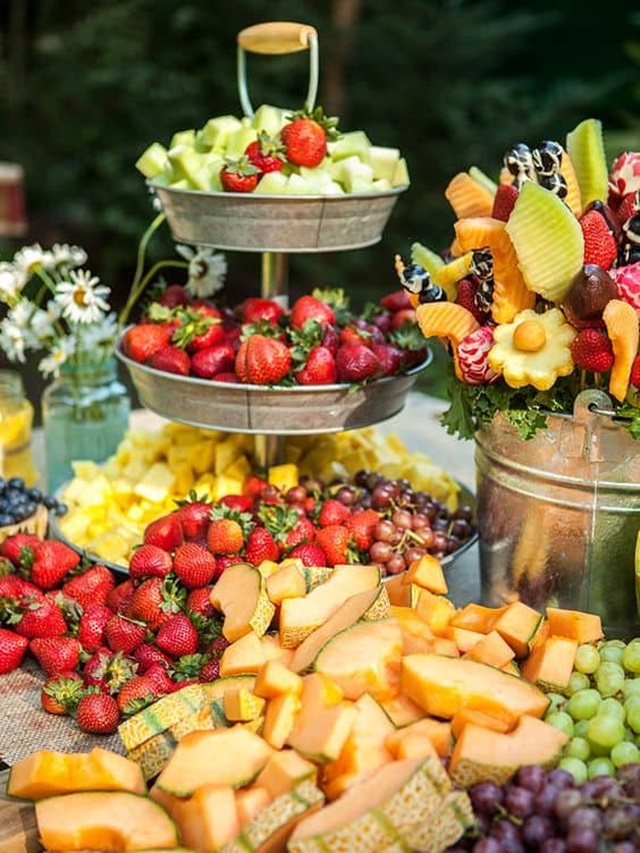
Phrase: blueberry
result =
(35, 494)
(60, 508)
(49, 502)
(16, 483)
(5, 519)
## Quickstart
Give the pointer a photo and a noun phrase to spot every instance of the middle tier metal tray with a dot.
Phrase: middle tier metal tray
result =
(237, 407)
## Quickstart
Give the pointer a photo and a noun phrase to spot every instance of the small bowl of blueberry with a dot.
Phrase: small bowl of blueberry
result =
(25, 508)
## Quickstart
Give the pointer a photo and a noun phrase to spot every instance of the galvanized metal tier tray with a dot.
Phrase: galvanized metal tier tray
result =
(256, 409)
(276, 223)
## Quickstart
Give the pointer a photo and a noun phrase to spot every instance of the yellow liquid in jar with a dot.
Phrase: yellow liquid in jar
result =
(16, 420)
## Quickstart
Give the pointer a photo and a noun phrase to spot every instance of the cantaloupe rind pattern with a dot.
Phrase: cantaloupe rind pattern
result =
(621, 321)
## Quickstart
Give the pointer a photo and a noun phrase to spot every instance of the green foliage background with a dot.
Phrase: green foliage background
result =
(84, 88)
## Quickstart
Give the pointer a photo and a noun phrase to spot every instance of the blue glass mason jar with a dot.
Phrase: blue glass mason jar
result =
(85, 415)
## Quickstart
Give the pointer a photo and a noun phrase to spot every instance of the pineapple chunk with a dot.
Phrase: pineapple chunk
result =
(156, 483)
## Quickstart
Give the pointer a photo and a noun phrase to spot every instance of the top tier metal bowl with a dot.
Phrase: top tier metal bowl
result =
(276, 223)
(258, 409)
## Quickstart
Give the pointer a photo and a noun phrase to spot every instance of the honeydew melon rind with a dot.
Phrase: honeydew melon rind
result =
(193, 159)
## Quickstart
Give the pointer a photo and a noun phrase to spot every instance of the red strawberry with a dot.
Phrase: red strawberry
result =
(310, 553)
(333, 512)
(239, 176)
(199, 329)
(120, 596)
(630, 204)
(42, 619)
(355, 335)
(198, 602)
(227, 376)
(307, 308)
(303, 531)
(165, 532)
(319, 368)
(600, 245)
(591, 350)
(210, 671)
(154, 602)
(141, 341)
(91, 626)
(136, 694)
(149, 561)
(241, 503)
(261, 546)
(266, 153)
(170, 359)
(466, 296)
(361, 524)
(356, 363)
(254, 485)
(194, 565)
(194, 516)
(400, 318)
(207, 363)
(390, 357)
(61, 693)
(257, 309)
(262, 360)
(225, 536)
(108, 670)
(98, 713)
(397, 300)
(56, 654)
(178, 636)
(503, 201)
(52, 561)
(91, 586)
(174, 296)
(635, 372)
(124, 634)
(148, 655)
(305, 137)
(12, 650)
(18, 548)
(334, 541)
(14, 588)
(159, 676)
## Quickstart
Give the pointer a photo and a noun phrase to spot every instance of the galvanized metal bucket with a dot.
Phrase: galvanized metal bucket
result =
(558, 516)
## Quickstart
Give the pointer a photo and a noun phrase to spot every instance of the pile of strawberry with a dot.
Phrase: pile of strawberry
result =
(319, 341)
(301, 142)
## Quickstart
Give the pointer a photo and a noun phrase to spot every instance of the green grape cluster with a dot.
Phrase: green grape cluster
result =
(601, 709)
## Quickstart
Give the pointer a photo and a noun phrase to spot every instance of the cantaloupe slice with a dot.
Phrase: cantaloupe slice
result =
(426, 572)
(104, 820)
(280, 718)
(287, 581)
(364, 658)
(274, 650)
(476, 617)
(250, 801)
(244, 655)
(364, 749)
(550, 663)
(371, 816)
(466, 716)
(160, 715)
(621, 321)
(242, 705)
(222, 757)
(435, 610)
(548, 241)
(240, 594)
(443, 826)
(274, 679)
(208, 819)
(468, 197)
(46, 773)
(284, 771)
(324, 721)
(438, 732)
(402, 711)
(401, 594)
(518, 624)
(575, 624)
(415, 745)
(443, 685)
(464, 638)
(370, 605)
(510, 292)
(481, 753)
(446, 320)
(491, 649)
(300, 616)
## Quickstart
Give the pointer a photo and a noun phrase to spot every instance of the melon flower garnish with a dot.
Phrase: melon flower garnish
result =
(533, 350)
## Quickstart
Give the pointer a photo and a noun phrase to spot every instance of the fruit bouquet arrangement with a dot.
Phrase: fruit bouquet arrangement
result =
(538, 297)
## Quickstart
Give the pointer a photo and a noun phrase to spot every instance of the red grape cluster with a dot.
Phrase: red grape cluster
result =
(546, 811)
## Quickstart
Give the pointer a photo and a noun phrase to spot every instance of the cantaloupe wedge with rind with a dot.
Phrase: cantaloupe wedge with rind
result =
(510, 292)
(446, 320)
(468, 197)
(548, 241)
(208, 819)
(109, 821)
(481, 753)
(240, 594)
(621, 321)
(585, 146)
(550, 663)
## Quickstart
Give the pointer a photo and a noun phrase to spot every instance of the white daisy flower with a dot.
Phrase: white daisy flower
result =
(22, 313)
(207, 270)
(98, 335)
(68, 256)
(43, 321)
(12, 342)
(30, 258)
(82, 299)
(58, 355)
(11, 282)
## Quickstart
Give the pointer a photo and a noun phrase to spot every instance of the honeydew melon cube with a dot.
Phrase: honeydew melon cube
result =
(216, 131)
(354, 143)
(381, 185)
(357, 176)
(188, 163)
(183, 137)
(269, 118)
(179, 184)
(401, 174)
(273, 183)
(297, 185)
(153, 161)
(238, 140)
(384, 161)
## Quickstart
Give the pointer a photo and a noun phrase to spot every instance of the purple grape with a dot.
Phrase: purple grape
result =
(585, 817)
(566, 803)
(487, 845)
(624, 847)
(582, 840)
(486, 797)
(519, 801)
(620, 819)
(532, 777)
(594, 789)
(554, 845)
(546, 800)
(629, 776)
(560, 779)
(505, 831)
(536, 829)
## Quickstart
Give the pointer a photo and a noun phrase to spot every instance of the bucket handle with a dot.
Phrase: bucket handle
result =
(277, 38)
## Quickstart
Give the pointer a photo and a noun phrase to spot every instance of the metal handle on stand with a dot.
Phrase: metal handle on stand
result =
(277, 38)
